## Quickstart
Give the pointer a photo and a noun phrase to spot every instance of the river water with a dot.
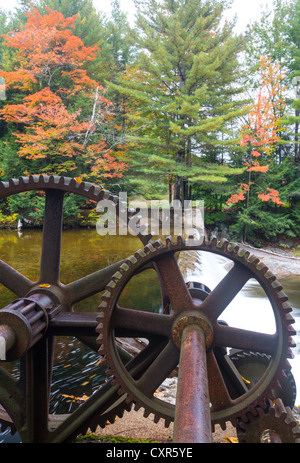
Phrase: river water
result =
(77, 372)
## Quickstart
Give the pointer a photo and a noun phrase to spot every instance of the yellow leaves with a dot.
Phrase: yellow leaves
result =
(231, 440)
(246, 380)
(76, 399)
(99, 361)
(8, 220)
(44, 285)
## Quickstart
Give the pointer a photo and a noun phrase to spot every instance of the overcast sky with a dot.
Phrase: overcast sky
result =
(246, 10)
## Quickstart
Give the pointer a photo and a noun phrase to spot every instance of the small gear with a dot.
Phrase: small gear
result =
(252, 365)
(144, 374)
(275, 424)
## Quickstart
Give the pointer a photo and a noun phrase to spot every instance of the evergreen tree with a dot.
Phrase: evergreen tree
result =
(293, 32)
(183, 92)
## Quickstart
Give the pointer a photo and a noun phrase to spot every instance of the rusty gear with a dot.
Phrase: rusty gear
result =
(41, 321)
(143, 375)
(274, 424)
(252, 365)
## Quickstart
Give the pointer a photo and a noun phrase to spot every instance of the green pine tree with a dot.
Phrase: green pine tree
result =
(183, 92)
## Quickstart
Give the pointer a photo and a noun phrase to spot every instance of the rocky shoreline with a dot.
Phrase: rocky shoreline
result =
(281, 263)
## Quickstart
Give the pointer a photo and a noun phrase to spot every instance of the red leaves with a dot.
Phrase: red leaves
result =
(264, 117)
(46, 44)
(49, 125)
(47, 54)
(240, 196)
(272, 195)
(254, 166)
(261, 132)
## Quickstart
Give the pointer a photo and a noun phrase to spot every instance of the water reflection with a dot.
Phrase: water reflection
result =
(77, 371)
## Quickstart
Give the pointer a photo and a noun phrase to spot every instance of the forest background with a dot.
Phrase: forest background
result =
(174, 105)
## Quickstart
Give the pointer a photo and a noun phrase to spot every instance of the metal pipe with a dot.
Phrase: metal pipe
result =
(192, 416)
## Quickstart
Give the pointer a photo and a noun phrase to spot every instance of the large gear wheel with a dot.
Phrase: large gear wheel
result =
(43, 311)
(275, 424)
(230, 399)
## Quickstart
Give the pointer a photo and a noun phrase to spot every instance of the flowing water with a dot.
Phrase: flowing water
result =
(77, 371)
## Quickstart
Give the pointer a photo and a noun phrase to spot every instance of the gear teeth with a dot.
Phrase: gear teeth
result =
(277, 286)
(253, 260)
(223, 244)
(139, 254)
(242, 253)
(137, 406)
(276, 417)
(121, 392)
(68, 184)
(167, 423)
(180, 240)
(146, 413)
(169, 242)
(270, 276)
(106, 295)
(131, 260)
(149, 248)
(286, 307)
(158, 244)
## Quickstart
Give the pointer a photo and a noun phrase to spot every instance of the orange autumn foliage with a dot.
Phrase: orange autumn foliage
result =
(47, 54)
(45, 46)
(272, 195)
(261, 132)
(49, 126)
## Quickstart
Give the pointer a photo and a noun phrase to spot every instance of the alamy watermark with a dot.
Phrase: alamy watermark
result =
(156, 216)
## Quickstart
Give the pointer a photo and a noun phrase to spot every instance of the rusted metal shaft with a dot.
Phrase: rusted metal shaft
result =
(22, 324)
(192, 416)
(7, 340)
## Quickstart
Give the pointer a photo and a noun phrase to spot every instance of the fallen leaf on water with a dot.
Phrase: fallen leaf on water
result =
(66, 366)
(232, 440)
(85, 383)
(246, 380)
(76, 399)
(99, 361)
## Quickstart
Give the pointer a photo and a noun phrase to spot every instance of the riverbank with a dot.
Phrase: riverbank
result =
(280, 262)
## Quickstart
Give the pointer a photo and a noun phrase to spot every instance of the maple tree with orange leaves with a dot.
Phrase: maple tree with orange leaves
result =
(261, 134)
(54, 138)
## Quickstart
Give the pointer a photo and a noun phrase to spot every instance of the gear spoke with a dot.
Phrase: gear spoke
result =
(174, 284)
(52, 231)
(217, 301)
(218, 392)
(245, 339)
(159, 370)
(90, 284)
(13, 280)
(138, 323)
